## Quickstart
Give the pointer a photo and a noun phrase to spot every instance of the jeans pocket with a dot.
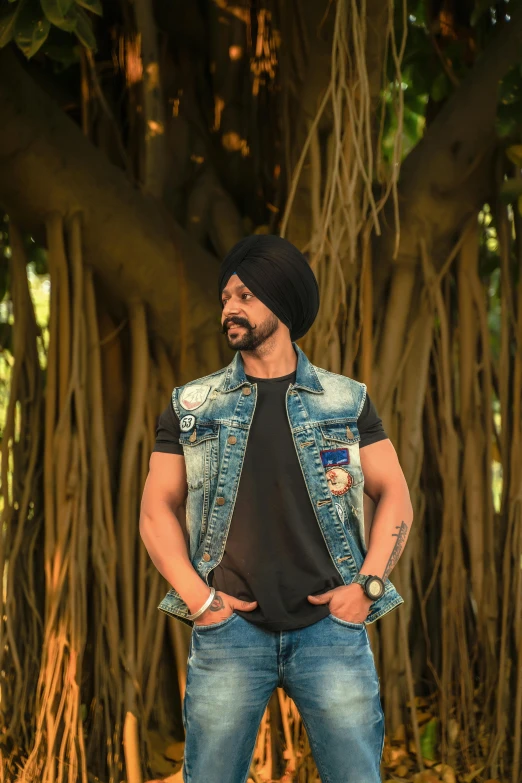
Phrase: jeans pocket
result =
(346, 624)
(213, 626)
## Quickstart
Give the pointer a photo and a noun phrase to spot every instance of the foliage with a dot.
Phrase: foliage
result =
(29, 23)
(440, 52)
(429, 739)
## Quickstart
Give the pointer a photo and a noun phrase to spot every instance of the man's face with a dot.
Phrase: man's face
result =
(247, 322)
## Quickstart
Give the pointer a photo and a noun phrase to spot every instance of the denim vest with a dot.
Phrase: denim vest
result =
(216, 413)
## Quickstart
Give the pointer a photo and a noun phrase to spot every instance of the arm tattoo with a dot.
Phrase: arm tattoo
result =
(397, 549)
(217, 604)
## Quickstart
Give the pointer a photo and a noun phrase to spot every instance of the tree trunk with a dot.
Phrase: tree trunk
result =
(133, 245)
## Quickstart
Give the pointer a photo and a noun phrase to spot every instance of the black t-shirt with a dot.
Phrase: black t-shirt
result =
(275, 551)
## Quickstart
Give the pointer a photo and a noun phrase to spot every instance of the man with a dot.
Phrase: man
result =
(271, 455)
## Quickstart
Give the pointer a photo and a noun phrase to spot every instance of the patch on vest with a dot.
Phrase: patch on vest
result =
(339, 481)
(194, 396)
(332, 457)
(187, 422)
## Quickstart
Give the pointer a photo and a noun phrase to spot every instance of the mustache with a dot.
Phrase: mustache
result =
(238, 322)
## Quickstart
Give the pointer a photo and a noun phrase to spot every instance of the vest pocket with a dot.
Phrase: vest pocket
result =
(202, 431)
(340, 455)
(340, 432)
(200, 447)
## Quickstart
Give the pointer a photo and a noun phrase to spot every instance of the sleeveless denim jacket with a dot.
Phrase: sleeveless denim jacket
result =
(215, 415)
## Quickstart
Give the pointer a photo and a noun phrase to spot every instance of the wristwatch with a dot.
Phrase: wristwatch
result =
(373, 586)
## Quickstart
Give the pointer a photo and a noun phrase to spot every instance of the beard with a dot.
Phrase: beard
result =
(254, 336)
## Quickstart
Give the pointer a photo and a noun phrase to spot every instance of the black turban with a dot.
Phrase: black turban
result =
(279, 275)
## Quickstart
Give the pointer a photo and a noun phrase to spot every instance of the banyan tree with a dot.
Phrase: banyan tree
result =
(140, 140)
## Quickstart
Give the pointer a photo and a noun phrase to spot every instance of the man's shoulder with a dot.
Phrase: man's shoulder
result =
(334, 383)
(211, 380)
(328, 377)
(193, 394)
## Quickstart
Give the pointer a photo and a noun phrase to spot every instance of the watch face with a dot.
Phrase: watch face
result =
(374, 588)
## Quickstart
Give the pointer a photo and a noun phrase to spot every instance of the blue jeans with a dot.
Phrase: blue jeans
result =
(326, 668)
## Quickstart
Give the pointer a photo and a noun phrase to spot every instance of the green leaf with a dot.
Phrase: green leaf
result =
(60, 13)
(8, 24)
(415, 103)
(510, 86)
(412, 126)
(4, 281)
(32, 28)
(419, 12)
(514, 153)
(37, 257)
(440, 87)
(511, 189)
(428, 740)
(94, 6)
(508, 121)
(84, 31)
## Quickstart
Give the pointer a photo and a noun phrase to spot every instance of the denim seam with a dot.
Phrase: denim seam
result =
(380, 703)
(254, 748)
(326, 778)
(280, 663)
(385, 610)
(379, 696)
(184, 766)
(185, 774)
(363, 399)
(297, 640)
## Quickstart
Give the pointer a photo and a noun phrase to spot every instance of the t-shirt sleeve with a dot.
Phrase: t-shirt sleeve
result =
(370, 425)
(168, 432)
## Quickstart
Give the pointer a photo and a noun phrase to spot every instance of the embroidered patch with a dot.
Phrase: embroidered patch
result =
(332, 457)
(340, 511)
(187, 422)
(339, 480)
(194, 396)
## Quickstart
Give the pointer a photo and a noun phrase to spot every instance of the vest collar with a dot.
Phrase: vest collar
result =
(306, 375)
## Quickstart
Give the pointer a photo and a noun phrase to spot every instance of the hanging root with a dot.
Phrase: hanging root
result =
(343, 204)
(82, 579)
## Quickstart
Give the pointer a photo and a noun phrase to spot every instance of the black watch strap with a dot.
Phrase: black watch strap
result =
(373, 586)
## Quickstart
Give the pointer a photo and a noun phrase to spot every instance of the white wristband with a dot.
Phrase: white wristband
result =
(204, 607)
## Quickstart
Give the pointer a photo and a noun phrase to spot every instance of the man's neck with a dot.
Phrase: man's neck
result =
(279, 361)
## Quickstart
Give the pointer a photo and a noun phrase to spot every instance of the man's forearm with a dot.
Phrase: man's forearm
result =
(390, 529)
(164, 540)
